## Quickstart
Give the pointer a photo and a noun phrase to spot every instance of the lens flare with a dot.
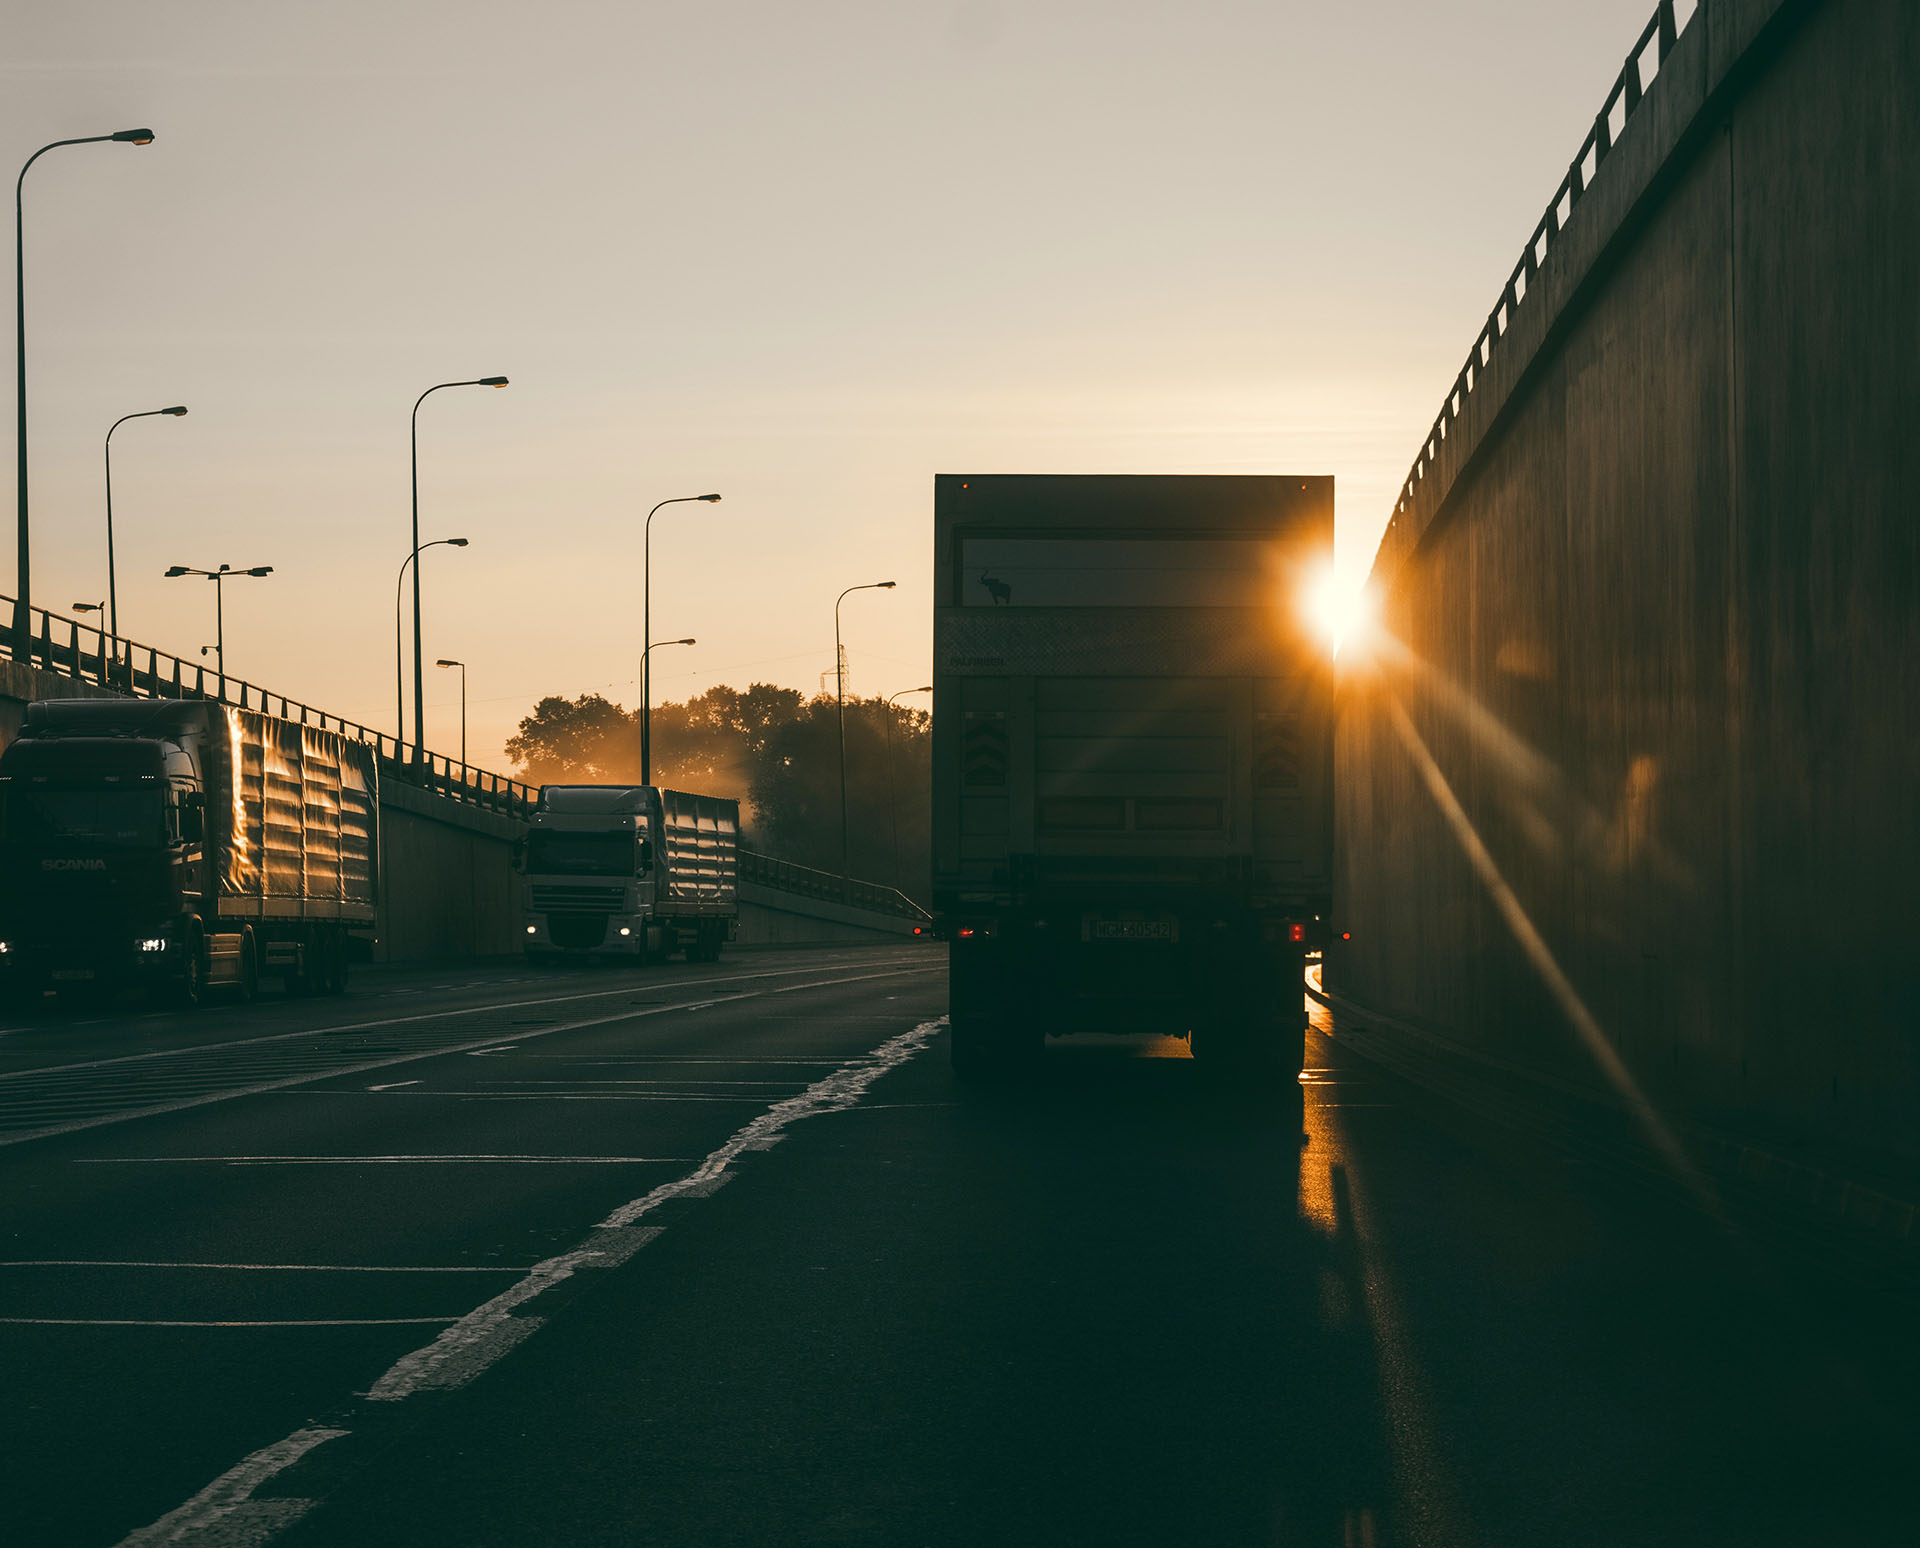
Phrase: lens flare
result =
(1339, 610)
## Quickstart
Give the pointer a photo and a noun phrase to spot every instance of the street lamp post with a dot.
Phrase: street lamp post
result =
(646, 678)
(893, 805)
(646, 628)
(444, 662)
(219, 578)
(399, 647)
(840, 693)
(23, 588)
(113, 595)
(419, 692)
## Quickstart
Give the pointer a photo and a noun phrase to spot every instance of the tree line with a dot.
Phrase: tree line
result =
(777, 753)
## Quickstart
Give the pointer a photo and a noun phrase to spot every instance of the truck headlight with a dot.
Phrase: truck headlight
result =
(151, 943)
(625, 931)
(5, 947)
(531, 929)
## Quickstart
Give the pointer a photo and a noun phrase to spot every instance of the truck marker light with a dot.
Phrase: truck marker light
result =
(1346, 935)
(1296, 932)
(530, 929)
(625, 931)
(966, 933)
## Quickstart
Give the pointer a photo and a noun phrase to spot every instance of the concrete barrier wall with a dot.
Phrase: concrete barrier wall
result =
(1654, 617)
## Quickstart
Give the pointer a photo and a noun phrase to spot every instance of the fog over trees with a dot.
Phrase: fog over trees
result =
(775, 751)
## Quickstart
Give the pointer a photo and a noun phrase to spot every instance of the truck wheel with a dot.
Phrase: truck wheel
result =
(340, 961)
(249, 970)
(191, 983)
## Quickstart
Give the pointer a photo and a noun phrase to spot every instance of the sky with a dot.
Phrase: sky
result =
(807, 257)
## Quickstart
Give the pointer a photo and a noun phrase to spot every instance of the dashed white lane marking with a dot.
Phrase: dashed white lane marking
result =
(386, 1160)
(313, 1077)
(399, 1021)
(228, 1501)
(394, 1085)
(471, 1344)
(268, 1268)
(159, 1322)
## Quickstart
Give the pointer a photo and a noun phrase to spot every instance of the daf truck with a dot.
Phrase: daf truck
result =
(1132, 754)
(181, 846)
(629, 872)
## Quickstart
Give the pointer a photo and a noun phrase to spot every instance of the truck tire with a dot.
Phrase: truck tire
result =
(187, 989)
(249, 986)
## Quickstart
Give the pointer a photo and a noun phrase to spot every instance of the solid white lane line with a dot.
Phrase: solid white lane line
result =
(397, 1021)
(150, 1322)
(394, 1085)
(266, 1268)
(228, 1501)
(385, 1160)
(470, 1345)
(450, 1360)
(316, 1076)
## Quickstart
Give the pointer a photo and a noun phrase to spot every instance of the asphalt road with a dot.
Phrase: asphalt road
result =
(724, 1254)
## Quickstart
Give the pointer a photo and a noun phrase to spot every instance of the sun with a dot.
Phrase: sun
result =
(1339, 610)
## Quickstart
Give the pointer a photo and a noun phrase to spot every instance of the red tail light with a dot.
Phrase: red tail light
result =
(966, 932)
(1296, 932)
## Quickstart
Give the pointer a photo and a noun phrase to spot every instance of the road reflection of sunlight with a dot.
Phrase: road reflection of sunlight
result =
(1358, 1294)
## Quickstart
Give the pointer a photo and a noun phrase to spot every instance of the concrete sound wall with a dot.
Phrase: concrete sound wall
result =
(1654, 616)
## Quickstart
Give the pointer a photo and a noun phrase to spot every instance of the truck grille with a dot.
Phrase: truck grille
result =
(552, 897)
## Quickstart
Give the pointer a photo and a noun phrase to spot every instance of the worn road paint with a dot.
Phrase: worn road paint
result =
(475, 1341)
(231, 1494)
(385, 1160)
(314, 1077)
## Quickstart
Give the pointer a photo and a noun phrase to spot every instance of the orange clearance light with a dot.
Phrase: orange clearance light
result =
(1346, 935)
(966, 934)
(1296, 932)
(916, 930)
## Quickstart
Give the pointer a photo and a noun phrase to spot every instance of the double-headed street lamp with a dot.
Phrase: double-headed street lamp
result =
(219, 578)
(646, 628)
(840, 692)
(419, 692)
(444, 662)
(113, 596)
(399, 648)
(23, 589)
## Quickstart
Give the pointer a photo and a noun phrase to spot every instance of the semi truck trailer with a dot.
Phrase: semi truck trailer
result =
(629, 872)
(182, 846)
(1132, 755)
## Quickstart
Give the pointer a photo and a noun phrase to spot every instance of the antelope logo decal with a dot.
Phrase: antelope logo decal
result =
(999, 590)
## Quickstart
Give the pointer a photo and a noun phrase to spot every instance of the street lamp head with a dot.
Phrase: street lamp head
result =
(133, 137)
(493, 381)
(177, 410)
(446, 663)
(885, 585)
(178, 569)
(87, 607)
(688, 641)
(259, 569)
(455, 542)
(712, 499)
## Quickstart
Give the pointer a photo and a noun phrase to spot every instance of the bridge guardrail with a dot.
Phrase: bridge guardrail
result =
(1644, 61)
(69, 648)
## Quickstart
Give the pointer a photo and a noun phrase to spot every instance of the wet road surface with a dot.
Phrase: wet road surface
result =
(724, 1254)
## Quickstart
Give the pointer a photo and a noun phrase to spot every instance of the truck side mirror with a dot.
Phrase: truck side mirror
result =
(193, 817)
(646, 855)
(518, 851)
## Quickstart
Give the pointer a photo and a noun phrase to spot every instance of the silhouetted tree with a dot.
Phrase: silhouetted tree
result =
(773, 751)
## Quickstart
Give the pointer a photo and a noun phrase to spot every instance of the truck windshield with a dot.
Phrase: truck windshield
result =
(100, 815)
(580, 854)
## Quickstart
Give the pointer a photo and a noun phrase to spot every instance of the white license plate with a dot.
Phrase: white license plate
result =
(1132, 930)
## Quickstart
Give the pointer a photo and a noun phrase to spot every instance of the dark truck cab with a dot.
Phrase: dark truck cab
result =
(1132, 749)
(172, 846)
